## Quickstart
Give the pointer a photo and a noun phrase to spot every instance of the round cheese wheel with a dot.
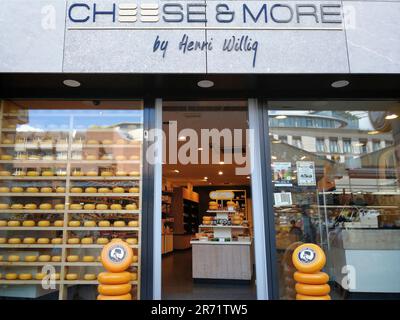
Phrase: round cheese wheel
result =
(4, 206)
(114, 289)
(6, 157)
(133, 276)
(14, 241)
(76, 190)
(11, 276)
(13, 258)
(47, 173)
(118, 190)
(46, 190)
(104, 190)
(87, 240)
(40, 276)
(134, 157)
(75, 206)
(127, 296)
(13, 223)
(101, 206)
(121, 141)
(104, 223)
(56, 258)
(135, 259)
(119, 224)
(59, 206)
(30, 258)
(92, 141)
(120, 158)
(107, 141)
(92, 173)
(17, 206)
(133, 223)
(25, 276)
(77, 173)
(71, 276)
(116, 256)
(74, 223)
(88, 259)
(121, 173)
(30, 206)
(73, 258)
(29, 240)
(58, 223)
(91, 157)
(4, 189)
(60, 189)
(106, 174)
(131, 206)
(114, 278)
(5, 173)
(43, 223)
(312, 289)
(134, 173)
(32, 173)
(134, 190)
(44, 258)
(212, 203)
(305, 297)
(43, 240)
(74, 240)
(45, 206)
(3, 240)
(3, 223)
(90, 190)
(17, 189)
(89, 224)
(89, 276)
(116, 206)
(132, 240)
(56, 241)
(89, 206)
(308, 258)
(56, 276)
(311, 278)
(102, 241)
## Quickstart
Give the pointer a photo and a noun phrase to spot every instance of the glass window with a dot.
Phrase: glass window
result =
(363, 144)
(320, 145)
(296, 141)
(347, 146)
(333, 145)
(376, 145)
(70, 181)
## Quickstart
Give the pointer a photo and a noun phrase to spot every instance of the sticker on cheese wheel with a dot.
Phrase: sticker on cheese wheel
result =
(116, 256)
(311, 278)
(114, 278)
(308, 258)
(127, 296)
(305, 297)
(313, 289)
(114, 289)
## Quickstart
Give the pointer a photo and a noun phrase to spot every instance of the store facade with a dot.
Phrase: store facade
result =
(320, 81)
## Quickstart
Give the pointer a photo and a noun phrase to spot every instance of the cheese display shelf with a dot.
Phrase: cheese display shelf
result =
(64, 193)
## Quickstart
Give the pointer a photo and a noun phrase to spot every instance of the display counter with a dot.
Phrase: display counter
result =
(373, 257)
(231, 260)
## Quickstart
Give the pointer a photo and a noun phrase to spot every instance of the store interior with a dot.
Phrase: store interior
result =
(207, 225)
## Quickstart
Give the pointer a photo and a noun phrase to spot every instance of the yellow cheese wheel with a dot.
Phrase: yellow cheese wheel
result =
(135, 259)
(1, 258)
(305, 297)
(46, 190)
(17, 206)
(74, 240)
(90, 190)
(104, 223)
(131, 206)
(14, 241)
(30, 258)
(125, 255)
(11, 276)
(101, 206)
(32, 173)
(133, 276)
(134, 173)
(213, 203)
(114, 289)
(13, 258)
(89, 206)
(4, 206)
(107, 141)
(311, 278)
(45, 206)
(17, 189)
(44, 258)
(76, 190)
(3, 223)
(118, 190)
(104, 190)
(60, 189)
(77, 173)
(30, 206)
(92, 141)
(43, 223)
(4, 189)
(29, 240)
(56, 241)
(47, 173)
(59, 206)
(74, 223)
(132, 240)
(120, 158)
(40, 276)
(56, 276)
(6, 157)
(75, 206)
(119, 141)
(106, 174)
(3, 240)
(127, 296)
(73, 258)
(121, 173)
(88, 258)
(116, 206)
(102, 241)
(134, 157)
(56, 258)
(13, 223)
(89, 224)
(91, 157)
(308, 258)
(5, 173)
(58, 223)
(71, 276)
(312, 289)
(25, 276)
(92, 173)
(43, 240)
(87, 240)
(89, 276)
(134, 190)
(133, 223)
(119, 224)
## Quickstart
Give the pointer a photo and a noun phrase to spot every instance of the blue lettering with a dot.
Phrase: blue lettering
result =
(77, 5)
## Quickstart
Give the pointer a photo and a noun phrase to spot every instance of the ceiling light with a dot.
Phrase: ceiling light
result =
(182, 138)
(391, 116)
(248, 177)
(274, 158)
(71, 83)
(205, 84)
(220, 173)
(221, 162)
(373, 132)
(200, 149)
(276, 141)
(176, 171)
(303, 157)
(340, 84)
(205, 178)
(281, 117)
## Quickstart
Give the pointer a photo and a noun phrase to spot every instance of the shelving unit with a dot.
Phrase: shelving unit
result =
(64, 143)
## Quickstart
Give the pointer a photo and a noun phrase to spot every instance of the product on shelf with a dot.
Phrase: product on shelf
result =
(59, 206)
(71, 276)
(104, 223)
(132, 240)
(87, 240)
(133, 223)
(88, 259)
(13, 258)
(74, 241)
(75, 206)
(6, 157)
(89, 224)
(58, 223)
(43, 223)
(121, 173)
(4, 206)
(92, 173)
(131, 206)
(45, 206)
(17, 206)
(119, 224)
(73, 258)
(46, 190)
(106, 174)
(74, 223)
(40, 276)
(32, 190)
(134, 190)
(32, 173)
(102, 240)
(90, 190)
(76, 190)
(43, 240)
(89, 206)
(118, 190)
(30, 206)
(3, 223)
(11, 276)
(44, 258)
(89, 276)
(30, 258)
(60, 190)
(3, 240)
(29, 240)
(48, 173)
(17, 190)
(14, 241)
(56, 258)
(134, 173)
(213, 205)
(4, 189)
(101, 206)
(56, 240)
(116, 206)
(104, 190)
(25, 276)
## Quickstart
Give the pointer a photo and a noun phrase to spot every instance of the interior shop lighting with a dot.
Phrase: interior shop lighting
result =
(220, 173)
(72, 83)
(340, 84)
(176, 171)
(373, 132)
(221, 162)
(391, 116)
(205, 84)
(281, 117)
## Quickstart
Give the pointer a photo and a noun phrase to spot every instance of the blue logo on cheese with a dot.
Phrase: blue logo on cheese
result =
(117, 254)
(307, 255)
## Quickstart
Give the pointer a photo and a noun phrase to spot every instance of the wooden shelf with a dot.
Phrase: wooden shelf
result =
(33, 194)
(70, 228)
(57, 282)
(100, 178)
(30, 162)
(110, 194)
(39, 178)
(21, 211)
(99, 162)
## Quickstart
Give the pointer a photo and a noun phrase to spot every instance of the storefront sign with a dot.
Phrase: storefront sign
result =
(283, 199)
(221, 195)
(306, 173)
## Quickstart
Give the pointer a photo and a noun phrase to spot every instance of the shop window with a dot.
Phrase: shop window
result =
(320, 145)
(347, 146)
(296, 141)
(333, 146)
(376, 145)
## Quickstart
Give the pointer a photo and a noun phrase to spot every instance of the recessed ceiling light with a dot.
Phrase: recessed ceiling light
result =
(221, 162)
(182, 138)
(248, 177)
(281, 117)
(205, 178)
(205, 84)
(274, 158)
(303, 157)
(220, 173)
(391, 116)
(71, 83)
(340, 84)
(373, 132)
(176, 171)
(200, 149)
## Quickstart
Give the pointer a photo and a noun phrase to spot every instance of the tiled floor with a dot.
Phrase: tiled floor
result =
(178, 283)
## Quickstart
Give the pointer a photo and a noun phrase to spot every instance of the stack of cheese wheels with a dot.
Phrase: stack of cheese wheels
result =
(116, 257)
(236, 219)
(309, 259)
(207, 220)
(213, 205)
